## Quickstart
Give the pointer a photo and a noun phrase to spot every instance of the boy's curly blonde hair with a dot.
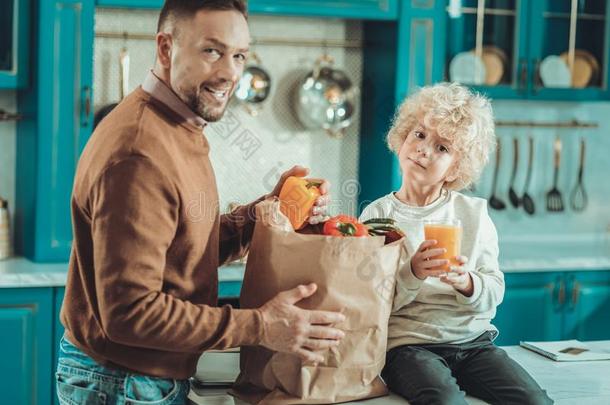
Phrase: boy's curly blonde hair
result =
(463, 118)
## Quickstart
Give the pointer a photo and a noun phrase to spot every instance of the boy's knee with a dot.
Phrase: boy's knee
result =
(533, 396)
(539, 397)
(439, 397)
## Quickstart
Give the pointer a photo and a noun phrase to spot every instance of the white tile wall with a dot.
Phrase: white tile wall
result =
(243, 174)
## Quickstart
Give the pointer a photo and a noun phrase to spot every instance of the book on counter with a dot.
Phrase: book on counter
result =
(566, 350)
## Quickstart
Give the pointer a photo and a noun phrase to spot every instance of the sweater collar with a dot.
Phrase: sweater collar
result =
(160, 91)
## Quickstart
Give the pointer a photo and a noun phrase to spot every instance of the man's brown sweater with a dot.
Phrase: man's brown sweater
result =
(148, 239)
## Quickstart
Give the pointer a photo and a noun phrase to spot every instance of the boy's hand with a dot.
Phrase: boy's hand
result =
(458, 278)
(422, 264)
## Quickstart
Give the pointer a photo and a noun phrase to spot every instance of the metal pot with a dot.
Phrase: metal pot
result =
(326, 98)
(254, 86)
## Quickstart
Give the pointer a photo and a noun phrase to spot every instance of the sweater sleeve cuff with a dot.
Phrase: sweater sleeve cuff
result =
(477, 285)
(249, 327)
(408, 279)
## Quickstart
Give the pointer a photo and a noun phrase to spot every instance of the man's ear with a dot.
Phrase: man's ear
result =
(164, 49)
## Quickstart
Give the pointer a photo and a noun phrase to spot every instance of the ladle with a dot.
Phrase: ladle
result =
(512, 194)
(494, 201)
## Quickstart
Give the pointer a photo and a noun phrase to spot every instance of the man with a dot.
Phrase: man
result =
(142, 284)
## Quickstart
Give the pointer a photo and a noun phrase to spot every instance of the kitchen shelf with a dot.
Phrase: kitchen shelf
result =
(582, 16)
(533, 124)
(276, 41)
(488, 11)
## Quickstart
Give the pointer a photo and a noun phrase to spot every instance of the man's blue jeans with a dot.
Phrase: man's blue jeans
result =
(80, 380)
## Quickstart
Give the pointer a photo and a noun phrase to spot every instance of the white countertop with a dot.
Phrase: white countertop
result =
(587, 252)
(581, 383)
(20, 272)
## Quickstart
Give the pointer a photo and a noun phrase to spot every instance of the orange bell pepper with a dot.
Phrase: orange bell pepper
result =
(297, 198)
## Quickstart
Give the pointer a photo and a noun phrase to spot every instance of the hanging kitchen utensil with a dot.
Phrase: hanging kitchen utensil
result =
(554, 72)
(326, 98)
(123, 85)
(586, 68)
(6, 249)
(495, 61)
(494, 200)
(512, 194)
(527, 201)
(254, 86)
(554, 200)
(579, 195)
(467, 68)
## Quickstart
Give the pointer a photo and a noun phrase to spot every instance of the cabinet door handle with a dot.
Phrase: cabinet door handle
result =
(561, 294)
(561, 297)
(537, 79)
(86, 106)
(523, 75)
(575, 295)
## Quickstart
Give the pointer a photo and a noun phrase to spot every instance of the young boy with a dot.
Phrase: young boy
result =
(440, 343)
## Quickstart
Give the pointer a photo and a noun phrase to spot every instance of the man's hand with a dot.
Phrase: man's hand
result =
(291, 329)
(319, 212)
(422, 264)
(458, 278)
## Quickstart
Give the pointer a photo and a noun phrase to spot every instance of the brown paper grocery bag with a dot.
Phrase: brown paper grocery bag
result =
(355, 276)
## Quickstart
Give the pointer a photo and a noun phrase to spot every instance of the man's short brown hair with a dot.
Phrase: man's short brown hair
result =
(174, 10)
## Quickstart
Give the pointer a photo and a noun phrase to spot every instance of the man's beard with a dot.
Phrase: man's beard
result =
(195, 102)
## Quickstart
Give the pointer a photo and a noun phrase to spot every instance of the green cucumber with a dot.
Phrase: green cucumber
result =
(387, 221)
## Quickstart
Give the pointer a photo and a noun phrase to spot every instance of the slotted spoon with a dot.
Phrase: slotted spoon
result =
(554, 199)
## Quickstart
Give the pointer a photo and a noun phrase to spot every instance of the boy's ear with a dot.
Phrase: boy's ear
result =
(451, 173)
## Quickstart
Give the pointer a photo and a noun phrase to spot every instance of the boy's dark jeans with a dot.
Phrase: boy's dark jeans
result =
(440, 373)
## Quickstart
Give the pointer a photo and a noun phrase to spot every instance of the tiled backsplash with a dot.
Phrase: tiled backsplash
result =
(248, 153)
(8, 103)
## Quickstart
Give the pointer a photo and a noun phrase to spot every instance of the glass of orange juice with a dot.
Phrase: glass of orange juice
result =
(448, 235)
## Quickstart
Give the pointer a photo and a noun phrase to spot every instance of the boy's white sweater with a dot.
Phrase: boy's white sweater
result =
(430, 311)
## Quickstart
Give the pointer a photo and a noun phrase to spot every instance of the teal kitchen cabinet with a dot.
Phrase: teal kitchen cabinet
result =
(397, 58)
(14, 43)
(554, 25)
(26, 322)
(531, 308)
(356, 9)
(520, 41)
(57, 123)
(587, 313)
(501, 30)
(554, 306)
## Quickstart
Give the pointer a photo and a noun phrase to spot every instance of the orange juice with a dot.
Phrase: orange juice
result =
(448, 235)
